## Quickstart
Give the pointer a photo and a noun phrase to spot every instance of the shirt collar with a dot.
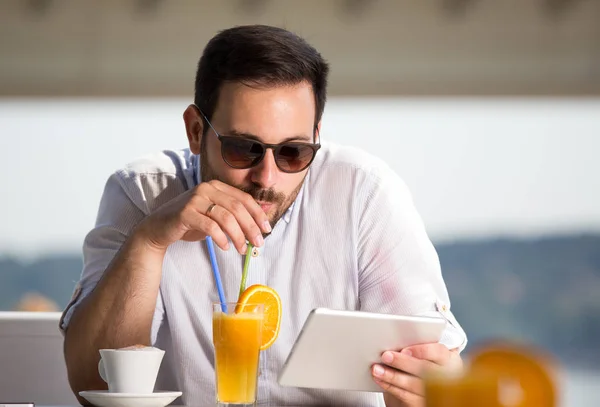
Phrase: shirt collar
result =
(287, 216)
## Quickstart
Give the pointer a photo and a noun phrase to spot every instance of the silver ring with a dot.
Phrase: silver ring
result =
(210, 208)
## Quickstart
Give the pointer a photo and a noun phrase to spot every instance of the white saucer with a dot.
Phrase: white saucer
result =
(102, 398)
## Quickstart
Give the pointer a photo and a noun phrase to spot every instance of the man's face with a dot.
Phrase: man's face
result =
(271, 115)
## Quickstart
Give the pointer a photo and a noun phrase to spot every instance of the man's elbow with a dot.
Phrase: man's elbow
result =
(82, 373)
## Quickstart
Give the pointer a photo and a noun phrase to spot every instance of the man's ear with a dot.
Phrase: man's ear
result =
(318, 133)
(194, 127)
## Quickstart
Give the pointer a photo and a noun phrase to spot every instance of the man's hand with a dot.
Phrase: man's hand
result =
(211, 209)
(401, 374)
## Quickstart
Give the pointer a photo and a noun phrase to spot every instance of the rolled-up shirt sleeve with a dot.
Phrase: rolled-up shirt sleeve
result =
(118, 214)
(399, 267)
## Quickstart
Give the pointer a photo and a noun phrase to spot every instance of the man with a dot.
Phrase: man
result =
(333, 226)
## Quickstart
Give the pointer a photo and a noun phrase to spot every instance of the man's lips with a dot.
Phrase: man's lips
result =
(265, 206)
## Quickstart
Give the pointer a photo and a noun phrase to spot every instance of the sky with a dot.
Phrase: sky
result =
(476, 167)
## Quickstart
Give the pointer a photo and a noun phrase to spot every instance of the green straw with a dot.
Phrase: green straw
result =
(245, 271)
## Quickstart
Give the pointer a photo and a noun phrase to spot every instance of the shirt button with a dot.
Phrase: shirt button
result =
(254, 252)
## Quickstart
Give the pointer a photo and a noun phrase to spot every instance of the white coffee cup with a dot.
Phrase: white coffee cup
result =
(130, 370)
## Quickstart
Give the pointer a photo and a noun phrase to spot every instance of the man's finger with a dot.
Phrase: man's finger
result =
(389, 378)
(405, 396)
(405, 362)
(433, 352)
(229, 224)
(253, 208)
(437, 353)
(233, 215)
(206, 227)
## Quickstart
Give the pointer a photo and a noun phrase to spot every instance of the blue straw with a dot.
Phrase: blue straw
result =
(211, 253)
(215, 269)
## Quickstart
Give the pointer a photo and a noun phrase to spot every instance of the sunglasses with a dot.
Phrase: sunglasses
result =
(242, 153)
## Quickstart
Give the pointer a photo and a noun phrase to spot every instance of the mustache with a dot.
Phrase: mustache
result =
(264, 195)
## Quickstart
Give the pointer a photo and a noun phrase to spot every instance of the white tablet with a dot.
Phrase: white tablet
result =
(336, 349)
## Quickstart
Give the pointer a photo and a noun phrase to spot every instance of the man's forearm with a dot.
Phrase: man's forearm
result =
(117, 313)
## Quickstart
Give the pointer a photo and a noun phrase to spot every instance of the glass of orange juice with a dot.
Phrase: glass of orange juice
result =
(237, 337)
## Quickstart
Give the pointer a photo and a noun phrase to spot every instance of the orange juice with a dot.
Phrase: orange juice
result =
(237, 340)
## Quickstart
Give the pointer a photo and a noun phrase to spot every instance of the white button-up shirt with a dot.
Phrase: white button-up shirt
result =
(352, 240)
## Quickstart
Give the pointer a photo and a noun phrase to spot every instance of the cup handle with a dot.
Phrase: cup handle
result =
(102, 371)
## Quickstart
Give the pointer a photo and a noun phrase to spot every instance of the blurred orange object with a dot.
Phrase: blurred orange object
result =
(461, 390)
(501, 374)
(34, 302)
(523, 373)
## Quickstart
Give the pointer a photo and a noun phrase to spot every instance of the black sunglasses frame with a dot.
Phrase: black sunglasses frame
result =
(275, 147)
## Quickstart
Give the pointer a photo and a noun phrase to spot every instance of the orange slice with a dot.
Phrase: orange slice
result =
(523, 374)
(262, 294)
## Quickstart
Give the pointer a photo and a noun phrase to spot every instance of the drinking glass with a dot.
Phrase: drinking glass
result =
(237, 335)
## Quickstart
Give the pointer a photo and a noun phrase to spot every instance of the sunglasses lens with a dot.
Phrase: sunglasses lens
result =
(294, 158)
(240, 153)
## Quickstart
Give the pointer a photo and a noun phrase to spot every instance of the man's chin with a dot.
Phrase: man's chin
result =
(274, 214)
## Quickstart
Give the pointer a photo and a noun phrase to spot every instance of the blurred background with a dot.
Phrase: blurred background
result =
(489, 110)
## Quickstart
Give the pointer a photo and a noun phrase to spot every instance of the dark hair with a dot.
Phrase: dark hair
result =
(259, 55)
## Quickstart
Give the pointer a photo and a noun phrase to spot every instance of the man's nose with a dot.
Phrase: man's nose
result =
(266, 172)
